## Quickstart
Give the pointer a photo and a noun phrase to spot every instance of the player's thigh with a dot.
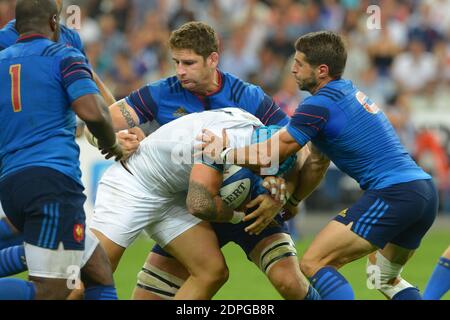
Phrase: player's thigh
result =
(113, 251)
(122, 207)
(198, 250)
(335, 245)
(54, 272)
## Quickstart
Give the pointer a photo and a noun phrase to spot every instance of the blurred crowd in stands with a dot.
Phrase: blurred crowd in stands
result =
(404, 66)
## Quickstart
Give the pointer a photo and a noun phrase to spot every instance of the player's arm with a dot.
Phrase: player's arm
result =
(253, 157)
(93, 111)
(310, 175)
(203, 199)
(308, 121)
(83, 94)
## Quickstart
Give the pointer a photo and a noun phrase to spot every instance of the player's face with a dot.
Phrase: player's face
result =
(193, 71)
(304, 73)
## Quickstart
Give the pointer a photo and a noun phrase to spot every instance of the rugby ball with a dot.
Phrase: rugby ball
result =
(236, 186)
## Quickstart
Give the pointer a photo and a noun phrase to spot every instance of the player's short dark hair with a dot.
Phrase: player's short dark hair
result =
(196, 36)
(32, 15)
(324, 47)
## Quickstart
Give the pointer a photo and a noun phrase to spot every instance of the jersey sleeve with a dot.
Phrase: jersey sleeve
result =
(307, 122)
(76, 76)
(270, 113)
(143, 104)
(253, 99)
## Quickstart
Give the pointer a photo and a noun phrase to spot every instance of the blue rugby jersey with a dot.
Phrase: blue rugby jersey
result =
(356, 135)
(167, 100)
(40, 80)
(68, 37)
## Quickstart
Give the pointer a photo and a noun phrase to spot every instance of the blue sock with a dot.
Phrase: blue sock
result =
(100, 293)
(312, 294)
(12, 261)
(439, 282)
(12, 241)
(410, 293)
(331, 285)
(16, 289)
(5, 230)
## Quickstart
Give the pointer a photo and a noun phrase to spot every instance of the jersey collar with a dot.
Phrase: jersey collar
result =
(31, 37)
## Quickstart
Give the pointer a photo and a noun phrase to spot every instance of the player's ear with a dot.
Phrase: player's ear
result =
(53, 22)
(213, 60)
(323, 72)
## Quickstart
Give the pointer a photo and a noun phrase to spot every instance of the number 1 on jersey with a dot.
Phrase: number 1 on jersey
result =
(14, 71)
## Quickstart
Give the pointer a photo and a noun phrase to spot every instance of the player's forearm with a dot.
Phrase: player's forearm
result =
(205, 206)
(104, 90)
(311, 174)
(92, 110)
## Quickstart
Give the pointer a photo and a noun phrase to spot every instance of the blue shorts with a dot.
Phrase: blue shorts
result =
(227, 232)
(400, 214)
(46, 206)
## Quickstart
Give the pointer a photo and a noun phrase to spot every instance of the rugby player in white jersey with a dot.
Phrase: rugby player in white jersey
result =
(163, 191)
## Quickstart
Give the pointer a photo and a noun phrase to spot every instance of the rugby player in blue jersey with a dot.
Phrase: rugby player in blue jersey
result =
(40, 187)
(11, 240)
(198, 86)
(400, 201)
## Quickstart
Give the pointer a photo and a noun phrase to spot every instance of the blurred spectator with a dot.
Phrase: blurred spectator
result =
(288, 97)
(415, 69)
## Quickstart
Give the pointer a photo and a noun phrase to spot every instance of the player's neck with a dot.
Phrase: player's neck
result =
(33, 33)
(213, 85)
(321, 84)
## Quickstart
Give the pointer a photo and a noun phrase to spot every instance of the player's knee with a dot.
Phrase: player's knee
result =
(309, 266)
(51, 289)
(216, 274)
(385, 275)
(289, 285)
(158, 282)
(97, 270)
(276, 251)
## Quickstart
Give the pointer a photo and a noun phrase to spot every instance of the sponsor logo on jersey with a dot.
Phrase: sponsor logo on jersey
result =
(370, 106)
(181, 112)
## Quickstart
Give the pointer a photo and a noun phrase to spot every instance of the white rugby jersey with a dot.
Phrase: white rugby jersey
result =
(165, 158)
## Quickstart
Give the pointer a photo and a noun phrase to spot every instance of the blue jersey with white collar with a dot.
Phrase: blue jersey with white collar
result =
(166, 100)
(40, 80)
(356, 135)
(68, 37)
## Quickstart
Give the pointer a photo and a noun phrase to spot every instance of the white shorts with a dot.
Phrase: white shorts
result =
(60, 263)
(123, 209)
(54, 264)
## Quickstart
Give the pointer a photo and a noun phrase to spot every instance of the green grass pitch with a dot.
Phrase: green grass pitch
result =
(247, 282)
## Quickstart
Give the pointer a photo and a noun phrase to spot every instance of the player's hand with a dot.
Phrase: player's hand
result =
(113, 151)
(211, 146)
(138, 132)
(267, 209)
(276, 187)
(129, 142)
